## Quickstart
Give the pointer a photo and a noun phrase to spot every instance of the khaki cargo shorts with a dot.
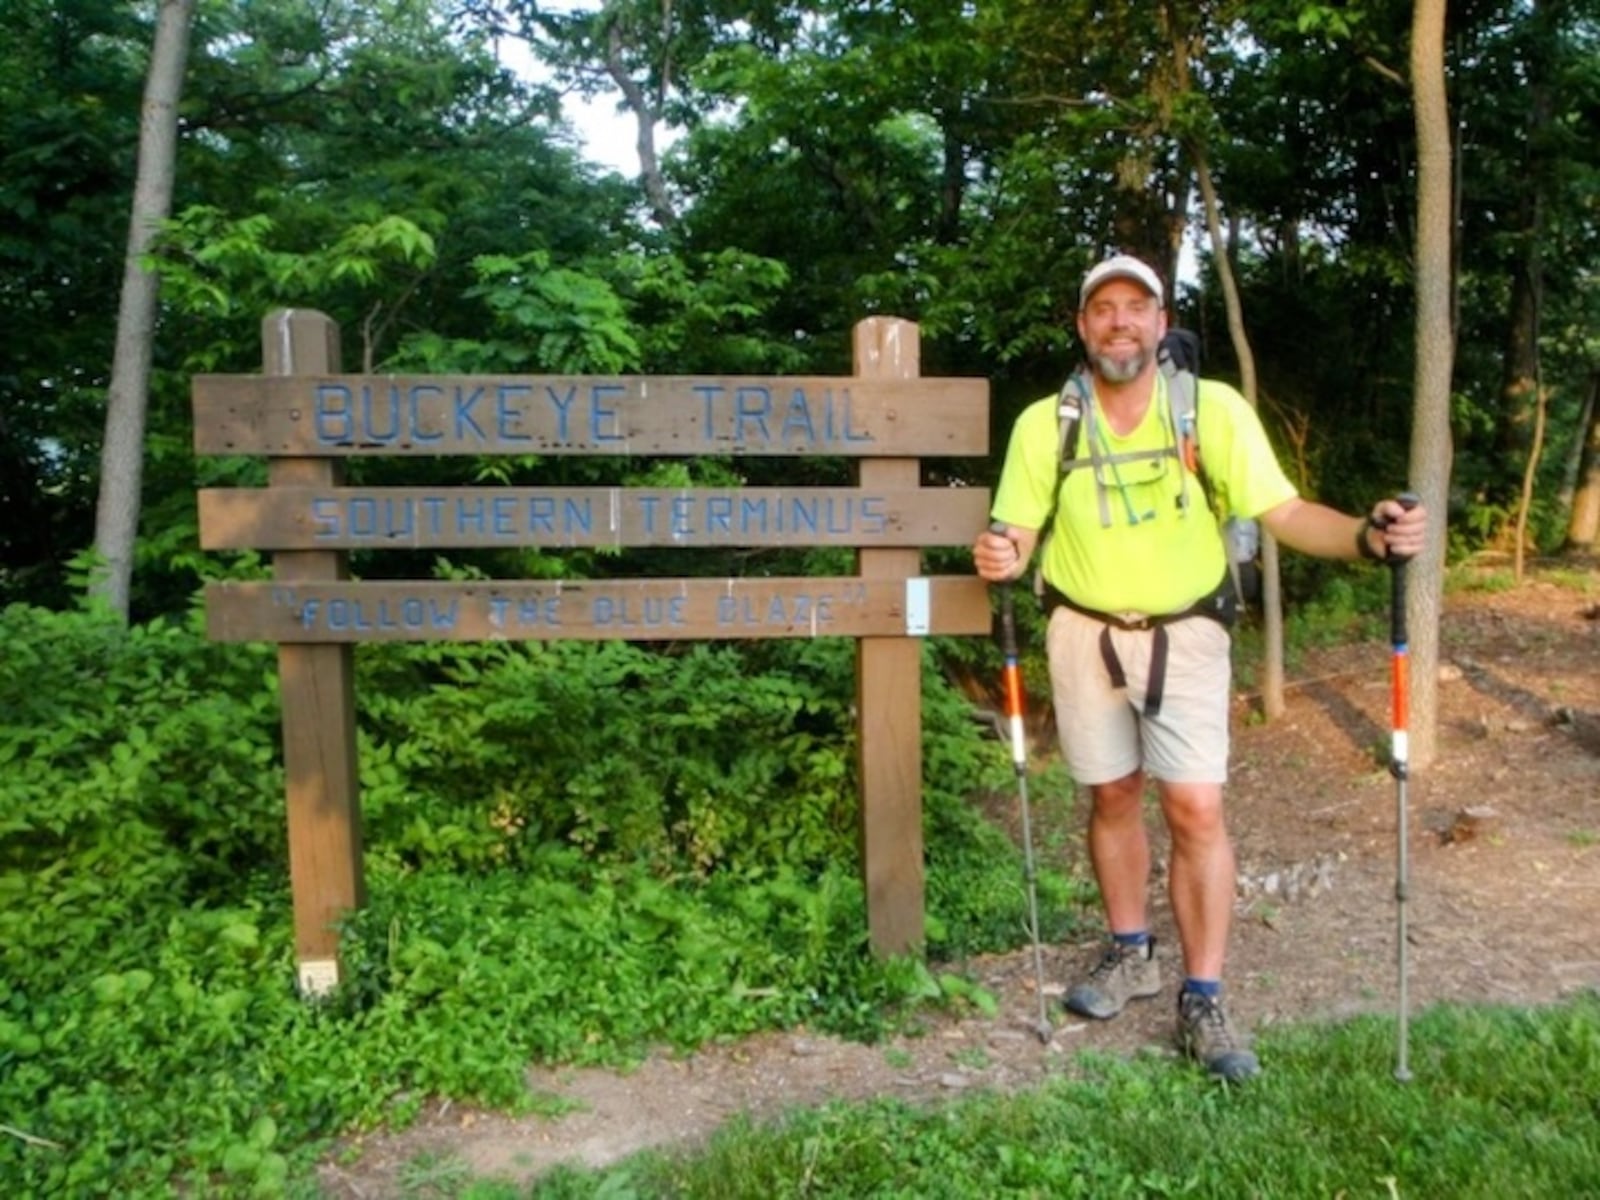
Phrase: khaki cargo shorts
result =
(1105, 737)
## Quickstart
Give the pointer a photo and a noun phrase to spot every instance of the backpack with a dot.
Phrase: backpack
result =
(1178, 357)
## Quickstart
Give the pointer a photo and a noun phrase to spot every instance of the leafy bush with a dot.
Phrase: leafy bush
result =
(575, 853)
(480, 755)
(139, 774)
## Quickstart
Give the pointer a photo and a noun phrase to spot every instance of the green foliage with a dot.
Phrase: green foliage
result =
(575, 853)
(139, 775)
(680, 760)
(543, 318)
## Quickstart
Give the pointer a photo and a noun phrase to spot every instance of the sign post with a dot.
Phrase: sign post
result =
(316, 685)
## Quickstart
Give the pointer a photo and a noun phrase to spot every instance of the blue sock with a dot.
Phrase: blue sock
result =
(1210, 988)
(1139, 937)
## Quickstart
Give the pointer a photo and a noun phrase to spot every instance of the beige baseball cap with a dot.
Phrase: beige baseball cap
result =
(1121, 266)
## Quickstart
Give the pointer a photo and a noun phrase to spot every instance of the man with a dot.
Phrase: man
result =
(1134, 568)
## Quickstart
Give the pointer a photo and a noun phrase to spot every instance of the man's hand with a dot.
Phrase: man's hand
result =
(1397, 531)
(1002, 557)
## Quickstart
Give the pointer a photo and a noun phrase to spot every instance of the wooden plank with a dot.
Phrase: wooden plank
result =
(390, 518)
(645, 610)
(683, 415)
(317, 690)
(889, 690)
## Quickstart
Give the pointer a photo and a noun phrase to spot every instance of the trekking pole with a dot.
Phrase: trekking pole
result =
(1399, 759)
(1011, 679)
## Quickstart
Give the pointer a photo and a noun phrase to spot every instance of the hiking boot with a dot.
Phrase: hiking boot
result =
(1123, 973)
(1207, 1036)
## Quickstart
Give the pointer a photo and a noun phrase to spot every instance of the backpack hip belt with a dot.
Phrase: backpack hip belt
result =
(1220, 605)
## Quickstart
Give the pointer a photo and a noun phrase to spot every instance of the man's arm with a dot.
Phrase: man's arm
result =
(1316, 529)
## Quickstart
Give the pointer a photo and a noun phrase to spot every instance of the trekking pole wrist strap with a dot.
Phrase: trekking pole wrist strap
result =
(1364, 541)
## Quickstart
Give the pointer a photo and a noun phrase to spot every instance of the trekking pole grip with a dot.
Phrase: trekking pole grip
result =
(1397, 579)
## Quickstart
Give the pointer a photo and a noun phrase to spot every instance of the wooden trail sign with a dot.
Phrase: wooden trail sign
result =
(336, 416)
(306, 418)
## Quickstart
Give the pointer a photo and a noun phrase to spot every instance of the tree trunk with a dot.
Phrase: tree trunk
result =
(1522, 404)
(1584, 525)
(116, 524)
(646, 114)
(1518, 367)
(1430, 433)
(1272, 702)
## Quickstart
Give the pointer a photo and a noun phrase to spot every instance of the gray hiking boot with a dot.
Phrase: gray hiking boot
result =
(1123, 973)
(1206, 1035)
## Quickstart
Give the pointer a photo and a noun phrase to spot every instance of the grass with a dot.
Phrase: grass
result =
(1502, 1104)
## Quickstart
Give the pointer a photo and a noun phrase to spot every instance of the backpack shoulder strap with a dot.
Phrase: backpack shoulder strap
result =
(1072, 406)
(1178, 357)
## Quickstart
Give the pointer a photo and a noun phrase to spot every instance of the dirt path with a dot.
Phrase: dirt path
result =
(1505, 881)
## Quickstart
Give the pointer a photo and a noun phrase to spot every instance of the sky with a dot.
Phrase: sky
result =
(608, 137)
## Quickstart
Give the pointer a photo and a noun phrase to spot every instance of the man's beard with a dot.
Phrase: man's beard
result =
(1121, 370)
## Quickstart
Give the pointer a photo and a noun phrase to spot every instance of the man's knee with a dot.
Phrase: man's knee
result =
(1193, 813)
(1121, 799)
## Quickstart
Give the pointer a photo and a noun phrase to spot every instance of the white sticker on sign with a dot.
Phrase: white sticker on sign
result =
(918, 607)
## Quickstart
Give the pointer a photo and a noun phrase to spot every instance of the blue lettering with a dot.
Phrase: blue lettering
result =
(433, 510)
(325, 517)
(308, 613)
(798, 419)
(544, 610)
(363, 517)
(332, 407)
(648, 611)
(751, 404)
(851, 434)
(647, 510)
(708, 393)
(443, 616)
(369, 416)
(399, 519)
(563, 407)
(507, 417)
(423, 389)
(752, 516)
(804, 515)
(580, 516)
(542, 514)
(682, 514)
(411, 611)
(873, 517)
(599, 416)
(470, 516)
(505, 516)
(464, 419)
(719, 514)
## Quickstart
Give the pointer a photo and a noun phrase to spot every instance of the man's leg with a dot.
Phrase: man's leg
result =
(1119, 849)
(1201, 878)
